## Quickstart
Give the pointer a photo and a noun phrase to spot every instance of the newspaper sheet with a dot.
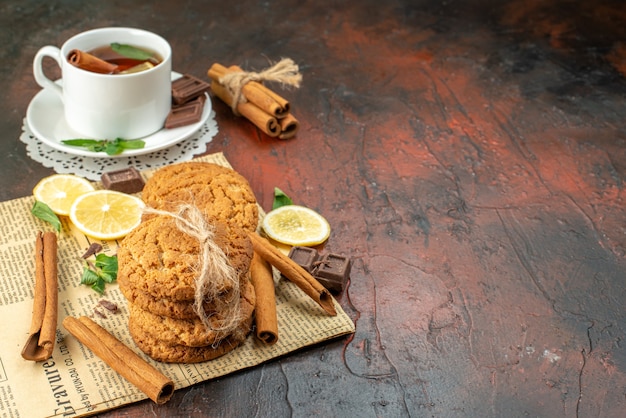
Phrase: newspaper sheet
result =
(74, 382)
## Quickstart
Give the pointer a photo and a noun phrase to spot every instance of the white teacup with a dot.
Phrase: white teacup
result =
(109, 106)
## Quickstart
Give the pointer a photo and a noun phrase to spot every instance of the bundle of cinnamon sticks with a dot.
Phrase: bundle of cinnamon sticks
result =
(260, 105)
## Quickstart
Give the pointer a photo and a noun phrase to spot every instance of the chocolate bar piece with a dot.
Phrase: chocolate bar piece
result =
(200, 99)
(305, 257)
(184, 115)
(188, 88)
(127, 180)
(332, 271)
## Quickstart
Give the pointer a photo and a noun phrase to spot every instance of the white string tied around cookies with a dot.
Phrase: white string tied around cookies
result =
(215, 273)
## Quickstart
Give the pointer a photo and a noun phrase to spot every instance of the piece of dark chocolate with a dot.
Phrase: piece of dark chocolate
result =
(188, 88)
(108, 305)
(305, 257)
(94, 248)
(333, 271)
(184, 115)
(200, 99)
(127, 180)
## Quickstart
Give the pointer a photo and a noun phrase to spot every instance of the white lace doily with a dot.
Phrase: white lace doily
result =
(92, 168)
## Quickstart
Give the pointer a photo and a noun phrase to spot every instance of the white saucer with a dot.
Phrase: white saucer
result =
(45, 118)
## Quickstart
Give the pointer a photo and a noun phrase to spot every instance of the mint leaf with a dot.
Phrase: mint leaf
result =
(82, 142)
(98, 286)
(280, 199)
(93, 145)
(97, 274)
(113, 147)
(108, 267)
(131, 51)
(89, 277)
(42, 211)
(132, 143)
(110, 147)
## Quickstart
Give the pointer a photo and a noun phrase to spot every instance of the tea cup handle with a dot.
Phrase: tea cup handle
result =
(40, 77)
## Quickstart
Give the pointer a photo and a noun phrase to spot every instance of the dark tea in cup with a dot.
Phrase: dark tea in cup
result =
(114, 58)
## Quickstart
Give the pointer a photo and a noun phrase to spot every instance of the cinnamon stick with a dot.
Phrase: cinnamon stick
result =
(88, 62)
(292, 271)
(264, 121)
(255, 92)
(120, 358)
(265, 316)
(43, 325)
(288, 127)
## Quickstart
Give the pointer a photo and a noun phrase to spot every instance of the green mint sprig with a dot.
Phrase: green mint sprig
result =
(111, 147)
(100, 272)
(42, 211)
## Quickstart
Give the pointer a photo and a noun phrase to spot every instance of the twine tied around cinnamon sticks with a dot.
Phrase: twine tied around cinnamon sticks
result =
(215, 271)
(245, 94)
(284, 72)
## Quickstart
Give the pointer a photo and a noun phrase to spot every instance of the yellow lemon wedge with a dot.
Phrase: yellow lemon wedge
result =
(106, 214)
(59, 191)
(296, 225)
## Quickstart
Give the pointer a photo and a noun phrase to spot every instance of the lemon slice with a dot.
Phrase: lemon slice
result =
(59, 191)
(106, 214)
(296, 225)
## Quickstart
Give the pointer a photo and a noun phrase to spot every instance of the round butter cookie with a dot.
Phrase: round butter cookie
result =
(168, 307)
(161, 351)
(218, 191)
(188, 332)
(162, 261)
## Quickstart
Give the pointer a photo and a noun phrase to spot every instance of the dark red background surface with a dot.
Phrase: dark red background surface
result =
(471, 159)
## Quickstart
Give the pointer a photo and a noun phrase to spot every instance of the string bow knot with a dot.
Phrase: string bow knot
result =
(285, 72)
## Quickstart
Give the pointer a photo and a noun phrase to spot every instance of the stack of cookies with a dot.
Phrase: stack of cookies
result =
(159, 264)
